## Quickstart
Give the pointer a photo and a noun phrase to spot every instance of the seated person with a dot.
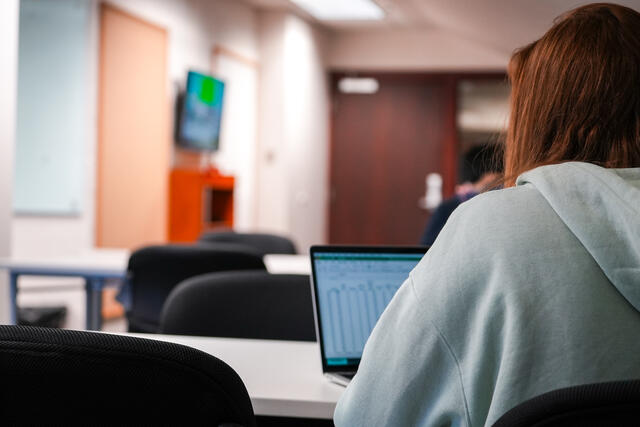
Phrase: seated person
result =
(481, 168)
(536, 286)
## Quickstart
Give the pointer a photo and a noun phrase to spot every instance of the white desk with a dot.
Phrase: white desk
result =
(283, 378)
(288, 264)
(97, 266)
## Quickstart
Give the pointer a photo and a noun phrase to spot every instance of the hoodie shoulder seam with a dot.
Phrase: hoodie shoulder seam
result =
(451, 353)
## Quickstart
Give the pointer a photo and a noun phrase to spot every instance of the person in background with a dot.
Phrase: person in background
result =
(536, 286)
(480, 170)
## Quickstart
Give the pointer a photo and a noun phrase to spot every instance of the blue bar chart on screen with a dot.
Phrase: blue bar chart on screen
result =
(354, 289)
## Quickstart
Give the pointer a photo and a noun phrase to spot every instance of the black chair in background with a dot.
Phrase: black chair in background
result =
(62, 377)
(251, 304)
(154, 271)
(614, 403)
(260, 242)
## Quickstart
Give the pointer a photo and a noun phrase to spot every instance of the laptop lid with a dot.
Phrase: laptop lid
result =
(352, 286)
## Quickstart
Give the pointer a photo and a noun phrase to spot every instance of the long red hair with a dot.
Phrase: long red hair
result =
(576, 93)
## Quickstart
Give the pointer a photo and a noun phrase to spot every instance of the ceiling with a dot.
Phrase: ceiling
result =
(501, 24)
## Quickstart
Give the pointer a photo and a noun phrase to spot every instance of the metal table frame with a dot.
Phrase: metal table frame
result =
(95, 282)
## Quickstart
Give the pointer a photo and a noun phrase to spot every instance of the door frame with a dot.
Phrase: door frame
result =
(450, 151)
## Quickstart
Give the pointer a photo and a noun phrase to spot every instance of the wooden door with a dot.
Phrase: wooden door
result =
(382, 147)
(134, 137)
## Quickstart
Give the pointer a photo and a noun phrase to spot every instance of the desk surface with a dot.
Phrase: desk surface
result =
(289, 264)
(283, 378)
(114, 262)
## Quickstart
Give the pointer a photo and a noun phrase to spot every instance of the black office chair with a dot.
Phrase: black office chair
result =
(603, 404)
(54, 376)
(250, 304)
(155, 270)
(260, 242)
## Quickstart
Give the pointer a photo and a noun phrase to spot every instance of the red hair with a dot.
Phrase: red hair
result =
(576, 93)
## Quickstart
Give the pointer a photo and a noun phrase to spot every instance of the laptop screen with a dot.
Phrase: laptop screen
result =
(352, 288)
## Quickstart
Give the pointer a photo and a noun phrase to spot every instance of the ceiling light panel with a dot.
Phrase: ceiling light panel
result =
(342, 10)
(362, 85)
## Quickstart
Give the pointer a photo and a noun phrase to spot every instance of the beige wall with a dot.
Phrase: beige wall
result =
(411, 49)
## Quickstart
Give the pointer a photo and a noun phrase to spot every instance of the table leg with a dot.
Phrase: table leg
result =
(13, 295)
(94, 303)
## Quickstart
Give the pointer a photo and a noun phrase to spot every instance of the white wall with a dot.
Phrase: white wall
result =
(293, 120)
(194, 27)
(238, 139)
(306, 115)
(273, 185)
(411, 50)
(8, 83)
(44, 235)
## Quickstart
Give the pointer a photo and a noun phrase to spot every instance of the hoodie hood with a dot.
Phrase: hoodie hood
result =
(601, 207)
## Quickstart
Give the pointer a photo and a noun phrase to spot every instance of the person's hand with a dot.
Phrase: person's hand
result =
(464, 188)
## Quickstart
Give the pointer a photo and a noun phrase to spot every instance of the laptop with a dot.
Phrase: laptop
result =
(352, 286)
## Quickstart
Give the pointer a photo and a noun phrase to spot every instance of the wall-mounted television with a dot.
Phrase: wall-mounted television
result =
(199, 113)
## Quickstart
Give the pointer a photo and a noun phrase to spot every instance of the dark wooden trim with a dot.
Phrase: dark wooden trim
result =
(331, 81)
(449, 79)
(219, 50)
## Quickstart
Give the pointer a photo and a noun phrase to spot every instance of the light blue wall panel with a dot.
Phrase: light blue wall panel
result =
(53, 114)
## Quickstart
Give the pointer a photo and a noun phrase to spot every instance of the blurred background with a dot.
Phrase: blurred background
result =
(125, 123)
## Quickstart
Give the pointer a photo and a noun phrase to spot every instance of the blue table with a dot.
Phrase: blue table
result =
(96, 272)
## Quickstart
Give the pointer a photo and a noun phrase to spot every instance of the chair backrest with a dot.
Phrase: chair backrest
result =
(259, 242)
(614, 403)
(54, 376)
(250, 304)
(155, 270)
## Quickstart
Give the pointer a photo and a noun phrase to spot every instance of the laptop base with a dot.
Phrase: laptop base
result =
(338, 378)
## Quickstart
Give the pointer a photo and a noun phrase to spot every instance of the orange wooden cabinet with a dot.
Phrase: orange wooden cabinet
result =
(198, 201)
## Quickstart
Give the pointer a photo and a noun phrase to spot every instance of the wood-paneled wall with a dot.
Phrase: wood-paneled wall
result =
(134, 131)
(382, 147)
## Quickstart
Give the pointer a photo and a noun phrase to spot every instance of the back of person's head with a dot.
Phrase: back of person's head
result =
(480, 160)
(575, 93)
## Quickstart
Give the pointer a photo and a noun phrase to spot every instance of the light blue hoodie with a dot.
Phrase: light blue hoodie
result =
(525, 290)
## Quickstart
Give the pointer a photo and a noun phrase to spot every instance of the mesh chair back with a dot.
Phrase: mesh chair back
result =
(54, 376)
(603, 404)
(155, 270)
(259, 242)
(242, 305)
